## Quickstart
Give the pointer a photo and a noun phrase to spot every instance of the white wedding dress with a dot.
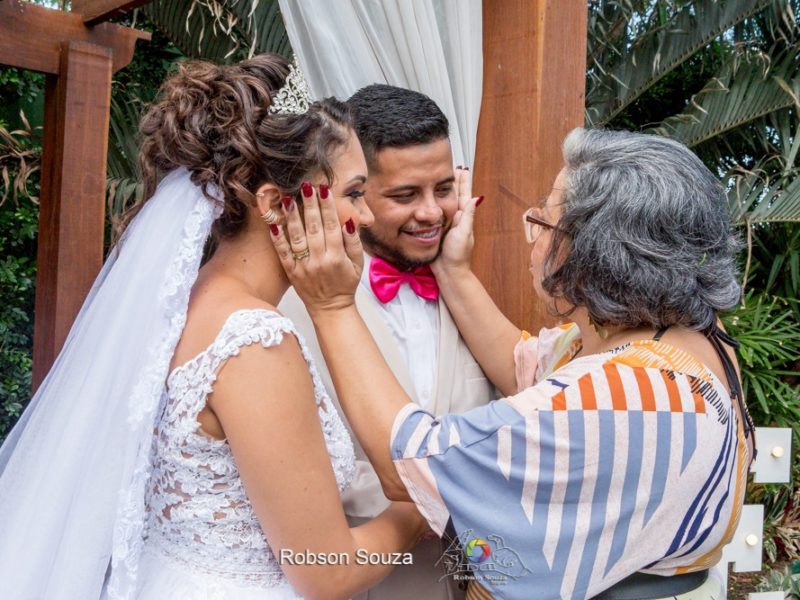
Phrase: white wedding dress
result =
(202, 538)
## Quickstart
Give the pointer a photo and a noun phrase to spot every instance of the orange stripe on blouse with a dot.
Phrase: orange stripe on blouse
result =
(586, 386)
(699, 404)
(673, 393)
(560, 401)
(615, 387)
(645, 390)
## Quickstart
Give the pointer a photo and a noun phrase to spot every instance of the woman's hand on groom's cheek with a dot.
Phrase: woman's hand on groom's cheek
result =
(459, 241)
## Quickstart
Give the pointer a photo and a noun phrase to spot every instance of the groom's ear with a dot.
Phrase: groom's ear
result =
(266, 197)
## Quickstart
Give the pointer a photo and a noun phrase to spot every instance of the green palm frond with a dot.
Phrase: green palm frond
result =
(126, 111)
(671, 40)
(221, 30)
(751, 85)
(123, 188)
(773, 394)
(755, 198)
(194, 29)
(20, 160)
(769, 192)
(263, 22)
(121, 194)
(769, 335)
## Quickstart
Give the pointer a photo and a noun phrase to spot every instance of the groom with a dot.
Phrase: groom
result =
(411, 192)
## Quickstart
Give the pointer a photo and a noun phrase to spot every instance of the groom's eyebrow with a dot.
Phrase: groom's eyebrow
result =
(401, 188)
(411, 186)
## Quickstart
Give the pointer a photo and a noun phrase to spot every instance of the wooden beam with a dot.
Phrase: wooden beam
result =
(31, 37)
(534, 68)
(72, 206)
(97, 11)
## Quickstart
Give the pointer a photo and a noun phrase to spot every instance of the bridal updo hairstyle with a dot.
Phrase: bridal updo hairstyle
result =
(214, 120)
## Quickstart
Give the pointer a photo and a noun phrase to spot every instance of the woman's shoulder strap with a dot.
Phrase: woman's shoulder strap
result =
(249, 326)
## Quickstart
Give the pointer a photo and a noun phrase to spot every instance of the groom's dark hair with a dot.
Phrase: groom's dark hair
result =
(392, 117)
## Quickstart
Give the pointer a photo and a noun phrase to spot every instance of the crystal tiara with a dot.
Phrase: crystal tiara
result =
(293, 98)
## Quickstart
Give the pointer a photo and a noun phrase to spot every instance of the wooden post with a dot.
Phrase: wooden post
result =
(78, 61)
(71, 221)
(534, 69)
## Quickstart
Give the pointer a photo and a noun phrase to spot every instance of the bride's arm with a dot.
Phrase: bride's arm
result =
(264, 400)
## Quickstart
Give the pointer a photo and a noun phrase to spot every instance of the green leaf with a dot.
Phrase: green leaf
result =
(656, 52)
(191, 27)
(221, 31)
(758, 198)
(265, 26)
(751, 86)
(123, 147)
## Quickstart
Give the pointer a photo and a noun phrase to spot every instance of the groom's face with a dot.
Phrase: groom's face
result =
(411, 192)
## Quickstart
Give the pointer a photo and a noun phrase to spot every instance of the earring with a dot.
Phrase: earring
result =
(601, 331)
(270, 217)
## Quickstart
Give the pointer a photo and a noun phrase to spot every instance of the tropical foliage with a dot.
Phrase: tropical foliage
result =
(19, 217)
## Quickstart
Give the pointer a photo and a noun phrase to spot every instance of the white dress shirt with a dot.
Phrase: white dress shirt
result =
(414, 323)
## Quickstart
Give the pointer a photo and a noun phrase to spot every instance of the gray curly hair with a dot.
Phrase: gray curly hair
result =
(645, 238)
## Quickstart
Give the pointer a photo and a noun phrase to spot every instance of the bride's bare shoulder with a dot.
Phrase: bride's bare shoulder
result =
(212, 302)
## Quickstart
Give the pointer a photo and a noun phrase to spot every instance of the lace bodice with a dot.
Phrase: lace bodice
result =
(197, 510)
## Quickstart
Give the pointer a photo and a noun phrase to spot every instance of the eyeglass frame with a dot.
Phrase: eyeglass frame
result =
(528, 217)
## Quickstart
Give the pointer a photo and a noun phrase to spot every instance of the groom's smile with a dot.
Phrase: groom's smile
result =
(429, 236)
(412, 194)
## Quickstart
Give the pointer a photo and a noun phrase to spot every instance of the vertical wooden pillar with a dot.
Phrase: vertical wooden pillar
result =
(72, 209)
(534, 69)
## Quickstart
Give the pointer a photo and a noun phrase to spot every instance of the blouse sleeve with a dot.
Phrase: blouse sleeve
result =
(525, 360)
(535, 357)
(441, 458)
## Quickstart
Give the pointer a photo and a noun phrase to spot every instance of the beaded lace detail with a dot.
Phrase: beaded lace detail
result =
(197, 510)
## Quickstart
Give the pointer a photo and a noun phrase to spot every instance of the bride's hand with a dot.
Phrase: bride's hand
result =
(322, 260)
(457, 246)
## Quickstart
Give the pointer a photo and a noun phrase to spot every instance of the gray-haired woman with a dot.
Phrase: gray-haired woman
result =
(616, 465)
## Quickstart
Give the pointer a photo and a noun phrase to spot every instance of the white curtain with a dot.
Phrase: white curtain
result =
(431, 46)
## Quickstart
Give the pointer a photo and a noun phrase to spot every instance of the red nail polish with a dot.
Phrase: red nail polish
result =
(323, 191)
(478, 202)
(288, 203)
(459, 167)
(466, 168)
(274, 229)
(350, 226)
(307, 189)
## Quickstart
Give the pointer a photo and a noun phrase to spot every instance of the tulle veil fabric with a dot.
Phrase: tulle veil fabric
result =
(74, 468)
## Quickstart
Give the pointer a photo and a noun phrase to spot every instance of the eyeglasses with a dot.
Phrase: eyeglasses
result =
(534, 224)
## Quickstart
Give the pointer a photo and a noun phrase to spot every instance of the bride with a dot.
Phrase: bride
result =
(182, 445)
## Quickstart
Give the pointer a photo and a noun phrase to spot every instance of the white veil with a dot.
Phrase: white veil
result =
(73, 471)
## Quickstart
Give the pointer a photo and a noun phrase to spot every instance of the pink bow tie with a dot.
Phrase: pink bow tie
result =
(385, 280)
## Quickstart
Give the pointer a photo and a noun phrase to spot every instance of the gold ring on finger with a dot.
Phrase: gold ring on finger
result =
(305, 253)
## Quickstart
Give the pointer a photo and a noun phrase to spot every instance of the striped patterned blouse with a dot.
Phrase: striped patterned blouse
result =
(629, 460)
